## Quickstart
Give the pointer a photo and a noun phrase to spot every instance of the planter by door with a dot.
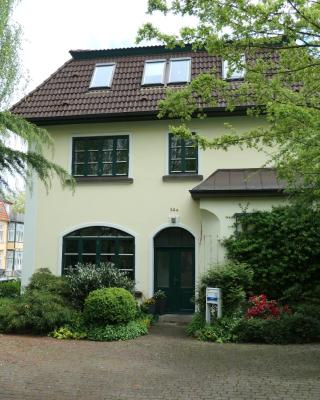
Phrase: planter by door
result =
(175, 268)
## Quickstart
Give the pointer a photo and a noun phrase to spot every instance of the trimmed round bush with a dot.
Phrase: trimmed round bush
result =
(109, 306)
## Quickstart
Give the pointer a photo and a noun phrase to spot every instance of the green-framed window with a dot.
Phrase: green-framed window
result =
(100, 156)
(183, 155)
(96, 244)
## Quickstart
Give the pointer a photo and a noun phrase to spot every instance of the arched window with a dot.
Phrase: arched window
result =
(96, 244)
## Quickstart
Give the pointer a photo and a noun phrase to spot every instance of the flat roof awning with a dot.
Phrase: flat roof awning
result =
(240, 182)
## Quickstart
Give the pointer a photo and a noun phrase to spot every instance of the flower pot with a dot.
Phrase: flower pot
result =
(151, 309)
(160, 306)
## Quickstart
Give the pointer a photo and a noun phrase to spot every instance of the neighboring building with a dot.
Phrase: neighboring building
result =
(155, 205)
(11, 241)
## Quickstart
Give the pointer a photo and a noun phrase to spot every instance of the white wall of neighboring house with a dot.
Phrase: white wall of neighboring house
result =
(141, 208)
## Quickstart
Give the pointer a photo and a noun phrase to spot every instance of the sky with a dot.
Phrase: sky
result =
(53, 27)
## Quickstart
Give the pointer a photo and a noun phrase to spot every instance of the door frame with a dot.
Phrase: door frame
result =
(152, 253)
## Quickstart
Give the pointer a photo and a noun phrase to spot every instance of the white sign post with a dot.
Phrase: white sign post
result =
(213, 297)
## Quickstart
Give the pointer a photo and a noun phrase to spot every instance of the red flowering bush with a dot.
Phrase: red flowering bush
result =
(263, 308)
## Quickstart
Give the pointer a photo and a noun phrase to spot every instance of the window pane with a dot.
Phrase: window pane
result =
(176, 141)
(191, 152)
(11, 231)
(71, 260)
(93, 156)
(122, 155)
(126, 262)
(89, 259)
(126, 247)
(71, 246)
(79, 144)
(79, 156)
(107, 169)
(176, 152)
(92, 169)
(89, 246)
(107, 156)
(121, 168)
(79, 169)
(102, 76)
(186, 273)
(108, 246)
(106, 258)
(107, 144)
(122, 144)
(179, 71)
(153, 72)
(176, 166)
(93, 144)
(191, 165)
(163, 271)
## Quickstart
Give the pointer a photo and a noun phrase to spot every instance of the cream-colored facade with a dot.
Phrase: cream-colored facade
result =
(141, 208)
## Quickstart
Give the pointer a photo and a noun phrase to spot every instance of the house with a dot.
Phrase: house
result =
(11, 241)
(154, 204)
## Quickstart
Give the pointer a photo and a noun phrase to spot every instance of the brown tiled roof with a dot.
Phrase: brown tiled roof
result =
(240, 182)
(66, 94)
(3, 212)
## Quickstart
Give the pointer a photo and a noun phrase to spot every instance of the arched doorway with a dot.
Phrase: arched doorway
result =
(96, 244)
(174, 268)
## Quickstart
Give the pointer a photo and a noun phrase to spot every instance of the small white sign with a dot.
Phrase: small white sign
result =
(213, 297)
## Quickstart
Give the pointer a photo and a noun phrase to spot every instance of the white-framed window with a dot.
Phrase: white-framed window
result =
(11, 231)
(1, 259)
(179, 70)
(18, 260)
(161, 72)
(10, 260)
(19, 232)
(1, 232)
(154, 72)
(235, 74)
(102, 76)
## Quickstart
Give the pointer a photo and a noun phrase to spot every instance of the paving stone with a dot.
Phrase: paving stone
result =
(165, 365)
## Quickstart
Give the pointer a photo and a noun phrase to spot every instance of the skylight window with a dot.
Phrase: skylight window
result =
(154, 72)
(179, 71)
(236, 74)
(102, 76)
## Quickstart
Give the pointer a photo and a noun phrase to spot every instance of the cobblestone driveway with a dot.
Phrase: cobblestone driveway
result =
(164, 365)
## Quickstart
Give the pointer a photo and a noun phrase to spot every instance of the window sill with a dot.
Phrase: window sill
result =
(182, 177)
(123, 179)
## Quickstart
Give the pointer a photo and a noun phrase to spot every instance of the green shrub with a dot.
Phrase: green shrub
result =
(280, 245)
(85, 278)
(44, 280)
(41, 309)
(45, 311)
(109, 306)
(36, 312)
(10, 289)
(68, 334)
(221, 331)
(235, 279)
(119, 332)
(197, 323)
(10, 315)
(296, 328)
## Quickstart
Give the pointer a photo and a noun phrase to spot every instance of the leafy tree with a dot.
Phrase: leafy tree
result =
(18, 200)
(18, 162)
(280, 40)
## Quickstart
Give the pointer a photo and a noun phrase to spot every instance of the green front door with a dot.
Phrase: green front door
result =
(174, 274)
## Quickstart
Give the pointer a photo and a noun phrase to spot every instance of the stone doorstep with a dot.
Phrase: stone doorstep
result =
(175, 319)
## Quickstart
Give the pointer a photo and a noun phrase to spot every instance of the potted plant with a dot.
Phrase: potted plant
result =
(150, 305)
(160, 298)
